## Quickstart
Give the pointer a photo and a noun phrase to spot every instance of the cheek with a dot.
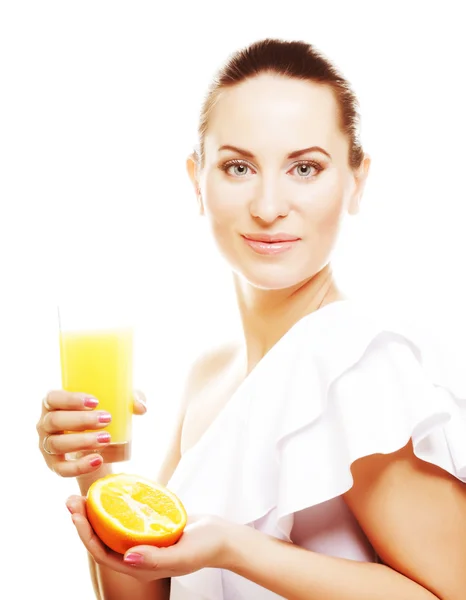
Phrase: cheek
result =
(324, 210)
(222, 202)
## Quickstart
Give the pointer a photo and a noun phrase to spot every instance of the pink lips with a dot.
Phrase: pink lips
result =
(277, 243)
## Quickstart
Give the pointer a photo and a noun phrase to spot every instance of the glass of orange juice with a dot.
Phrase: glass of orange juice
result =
(96, 355)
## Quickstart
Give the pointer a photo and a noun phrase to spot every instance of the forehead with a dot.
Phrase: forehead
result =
(273, 112)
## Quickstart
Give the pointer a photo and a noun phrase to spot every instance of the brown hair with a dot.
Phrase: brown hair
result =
(294, 59)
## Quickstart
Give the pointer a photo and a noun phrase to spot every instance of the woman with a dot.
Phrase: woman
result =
(317, 459)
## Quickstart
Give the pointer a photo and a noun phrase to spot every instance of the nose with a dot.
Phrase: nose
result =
(269, 202)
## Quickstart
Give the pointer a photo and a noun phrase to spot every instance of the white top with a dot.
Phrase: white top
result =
(339, 385)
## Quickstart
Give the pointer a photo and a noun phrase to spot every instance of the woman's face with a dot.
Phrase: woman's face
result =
(276, 181)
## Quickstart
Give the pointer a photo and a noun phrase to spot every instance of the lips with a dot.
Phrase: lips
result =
(274, 238)
(270, 244)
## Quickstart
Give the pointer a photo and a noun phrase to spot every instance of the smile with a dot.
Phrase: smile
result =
(270, 244)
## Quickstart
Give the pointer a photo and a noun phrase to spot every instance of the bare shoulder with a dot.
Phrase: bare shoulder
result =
(214, 379)
(208, 365)
(206, 368)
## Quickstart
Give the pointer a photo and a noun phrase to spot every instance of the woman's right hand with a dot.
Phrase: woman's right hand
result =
(68, 411)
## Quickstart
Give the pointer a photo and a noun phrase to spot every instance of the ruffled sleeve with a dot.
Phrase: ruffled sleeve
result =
(339, 386)
(376, 405)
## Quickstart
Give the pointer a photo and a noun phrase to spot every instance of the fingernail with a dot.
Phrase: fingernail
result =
(95, 462)
(133, 558)
(103, 437)
(90, 402)
(69, 509)
(105, 417)
(140, 399)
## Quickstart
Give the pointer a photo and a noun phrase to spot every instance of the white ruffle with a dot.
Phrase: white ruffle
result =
(337, 387)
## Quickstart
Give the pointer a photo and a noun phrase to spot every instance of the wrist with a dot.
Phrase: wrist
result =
(235, 539)
(244, 542)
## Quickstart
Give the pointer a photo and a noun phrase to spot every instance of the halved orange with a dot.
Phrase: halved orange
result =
(128, 510)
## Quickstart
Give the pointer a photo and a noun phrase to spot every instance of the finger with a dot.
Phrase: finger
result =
(76, 504)
(74, 468)
(63, 420)
(95, 547)
(168, 560)
(75, 442)
(139, 403)
(63, 400)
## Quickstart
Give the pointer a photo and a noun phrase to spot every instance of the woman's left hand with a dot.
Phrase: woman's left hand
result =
(203, 544)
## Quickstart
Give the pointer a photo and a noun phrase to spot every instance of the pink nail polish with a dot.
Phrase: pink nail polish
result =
(105, 417)
(95, 462)
(69, 509)
(133, 558)
(90, 402)
(103, 438)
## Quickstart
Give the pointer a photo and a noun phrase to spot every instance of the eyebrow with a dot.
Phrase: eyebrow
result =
(294, 154)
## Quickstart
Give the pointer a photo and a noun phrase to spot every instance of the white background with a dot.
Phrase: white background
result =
(98, 110)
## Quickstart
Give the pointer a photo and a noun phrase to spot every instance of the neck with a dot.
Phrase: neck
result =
(266, 315)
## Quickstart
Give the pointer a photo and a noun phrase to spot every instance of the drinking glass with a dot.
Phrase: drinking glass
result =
(96, 355)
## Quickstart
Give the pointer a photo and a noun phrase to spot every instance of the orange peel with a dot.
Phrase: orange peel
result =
(129, 510)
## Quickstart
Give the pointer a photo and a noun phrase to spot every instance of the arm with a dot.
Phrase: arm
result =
(298, 574)
(413, 513)
(109, 584)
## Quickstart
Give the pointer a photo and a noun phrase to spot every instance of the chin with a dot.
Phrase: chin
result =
(274, 279)
(288, 271)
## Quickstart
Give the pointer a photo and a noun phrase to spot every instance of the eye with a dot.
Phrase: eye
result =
(238, 168)
(235, 168)
(308, 169)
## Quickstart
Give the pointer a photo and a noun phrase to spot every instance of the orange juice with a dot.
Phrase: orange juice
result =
(100, 363)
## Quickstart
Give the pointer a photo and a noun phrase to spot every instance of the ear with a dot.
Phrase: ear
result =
(360, 178)
(192, 166)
